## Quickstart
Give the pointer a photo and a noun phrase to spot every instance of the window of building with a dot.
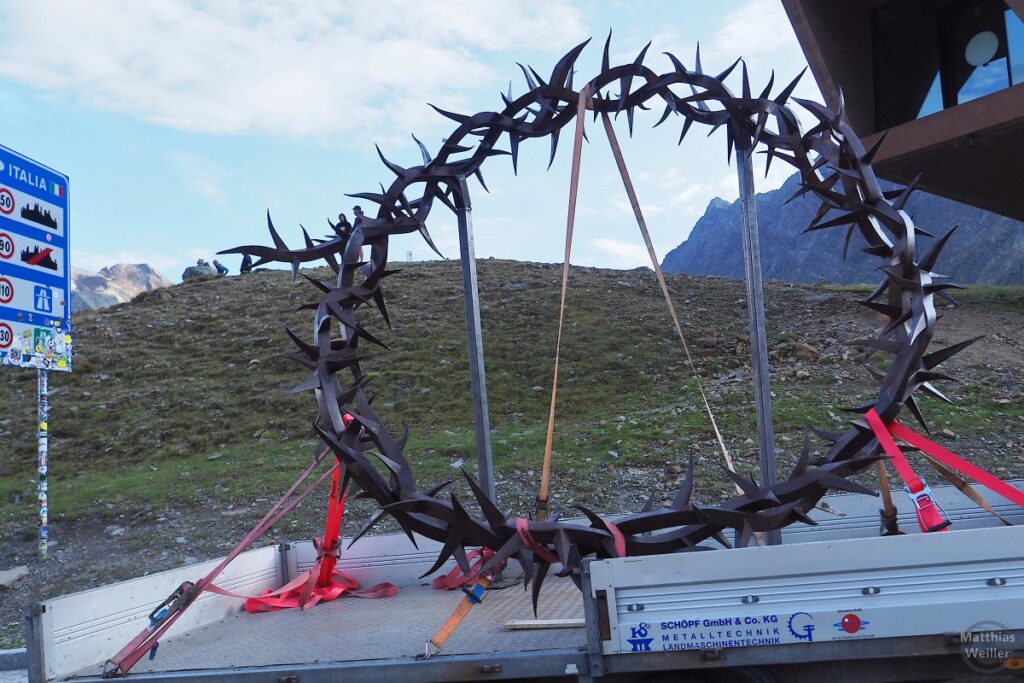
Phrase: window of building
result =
(973, 40)
(934, 54)
(1015, 45)
(933, 99)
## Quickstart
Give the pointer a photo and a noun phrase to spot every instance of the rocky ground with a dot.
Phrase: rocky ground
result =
(174, 434)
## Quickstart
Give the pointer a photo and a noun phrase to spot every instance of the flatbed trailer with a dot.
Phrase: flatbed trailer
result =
(724, 615)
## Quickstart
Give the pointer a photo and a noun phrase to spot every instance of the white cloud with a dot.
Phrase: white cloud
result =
(697, 193)
(286, 67)
(201, 175)
(622, 206)
(760, 32)
(757, 27)
(621, 254)
(196, 253)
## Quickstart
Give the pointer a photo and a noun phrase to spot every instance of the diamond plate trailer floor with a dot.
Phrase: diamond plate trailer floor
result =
(355, 630)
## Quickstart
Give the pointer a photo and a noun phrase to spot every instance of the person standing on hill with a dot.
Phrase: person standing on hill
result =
(246, 266)
(358, 211)
(343, 228)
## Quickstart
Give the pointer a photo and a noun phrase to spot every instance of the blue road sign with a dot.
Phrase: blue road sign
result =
(35, 265)
(44, 299)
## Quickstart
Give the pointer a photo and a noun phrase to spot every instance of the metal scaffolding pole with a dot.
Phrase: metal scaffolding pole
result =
(758, 334)
(474, 340)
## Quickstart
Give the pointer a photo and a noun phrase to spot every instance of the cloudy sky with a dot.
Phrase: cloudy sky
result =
(180, 123)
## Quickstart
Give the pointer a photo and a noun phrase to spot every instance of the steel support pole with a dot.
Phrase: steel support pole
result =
(758, 334)
(43, 438)
(474, 340)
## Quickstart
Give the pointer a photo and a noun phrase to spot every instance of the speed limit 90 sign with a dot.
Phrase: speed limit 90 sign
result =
(6, 246)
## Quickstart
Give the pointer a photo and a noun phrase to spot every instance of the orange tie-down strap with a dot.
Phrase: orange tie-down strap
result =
(474, 595)
(477, 590)
(541, 511)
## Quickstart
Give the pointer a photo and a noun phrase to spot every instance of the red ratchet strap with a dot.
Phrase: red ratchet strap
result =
(523, 529)
(323, 582)
(930, 516)
(957, 463)
(617, 538)
(456, 578)
(919, 492)
(175, 605)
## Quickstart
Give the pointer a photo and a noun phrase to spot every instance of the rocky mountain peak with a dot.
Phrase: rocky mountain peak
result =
(112, 285)
(986, 249)
(717, 203)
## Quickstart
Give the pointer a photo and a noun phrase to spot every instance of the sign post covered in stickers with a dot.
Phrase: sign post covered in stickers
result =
(35, 286)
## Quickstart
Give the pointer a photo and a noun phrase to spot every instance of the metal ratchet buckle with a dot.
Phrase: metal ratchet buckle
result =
(111, 670)
(929, 513)
(172, 603)
(890, 523)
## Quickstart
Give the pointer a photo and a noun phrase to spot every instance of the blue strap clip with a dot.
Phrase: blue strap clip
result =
(475, 593)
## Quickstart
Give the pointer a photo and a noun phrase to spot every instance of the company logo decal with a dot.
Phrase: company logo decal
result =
(801, 626)
(851, 623)
(639, 640)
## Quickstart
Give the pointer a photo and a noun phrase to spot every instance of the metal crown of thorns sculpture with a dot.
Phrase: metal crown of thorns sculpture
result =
(835, 167)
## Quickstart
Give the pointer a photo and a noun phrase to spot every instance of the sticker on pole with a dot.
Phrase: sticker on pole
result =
(27, 345)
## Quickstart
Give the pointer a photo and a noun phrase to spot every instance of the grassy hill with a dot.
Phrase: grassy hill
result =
(194, 377)
(175, 430)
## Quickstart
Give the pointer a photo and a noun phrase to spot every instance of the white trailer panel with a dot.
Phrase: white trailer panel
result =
(78, 632)
(828, 591)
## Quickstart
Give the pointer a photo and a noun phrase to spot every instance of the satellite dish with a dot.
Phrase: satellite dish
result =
(981, 48)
